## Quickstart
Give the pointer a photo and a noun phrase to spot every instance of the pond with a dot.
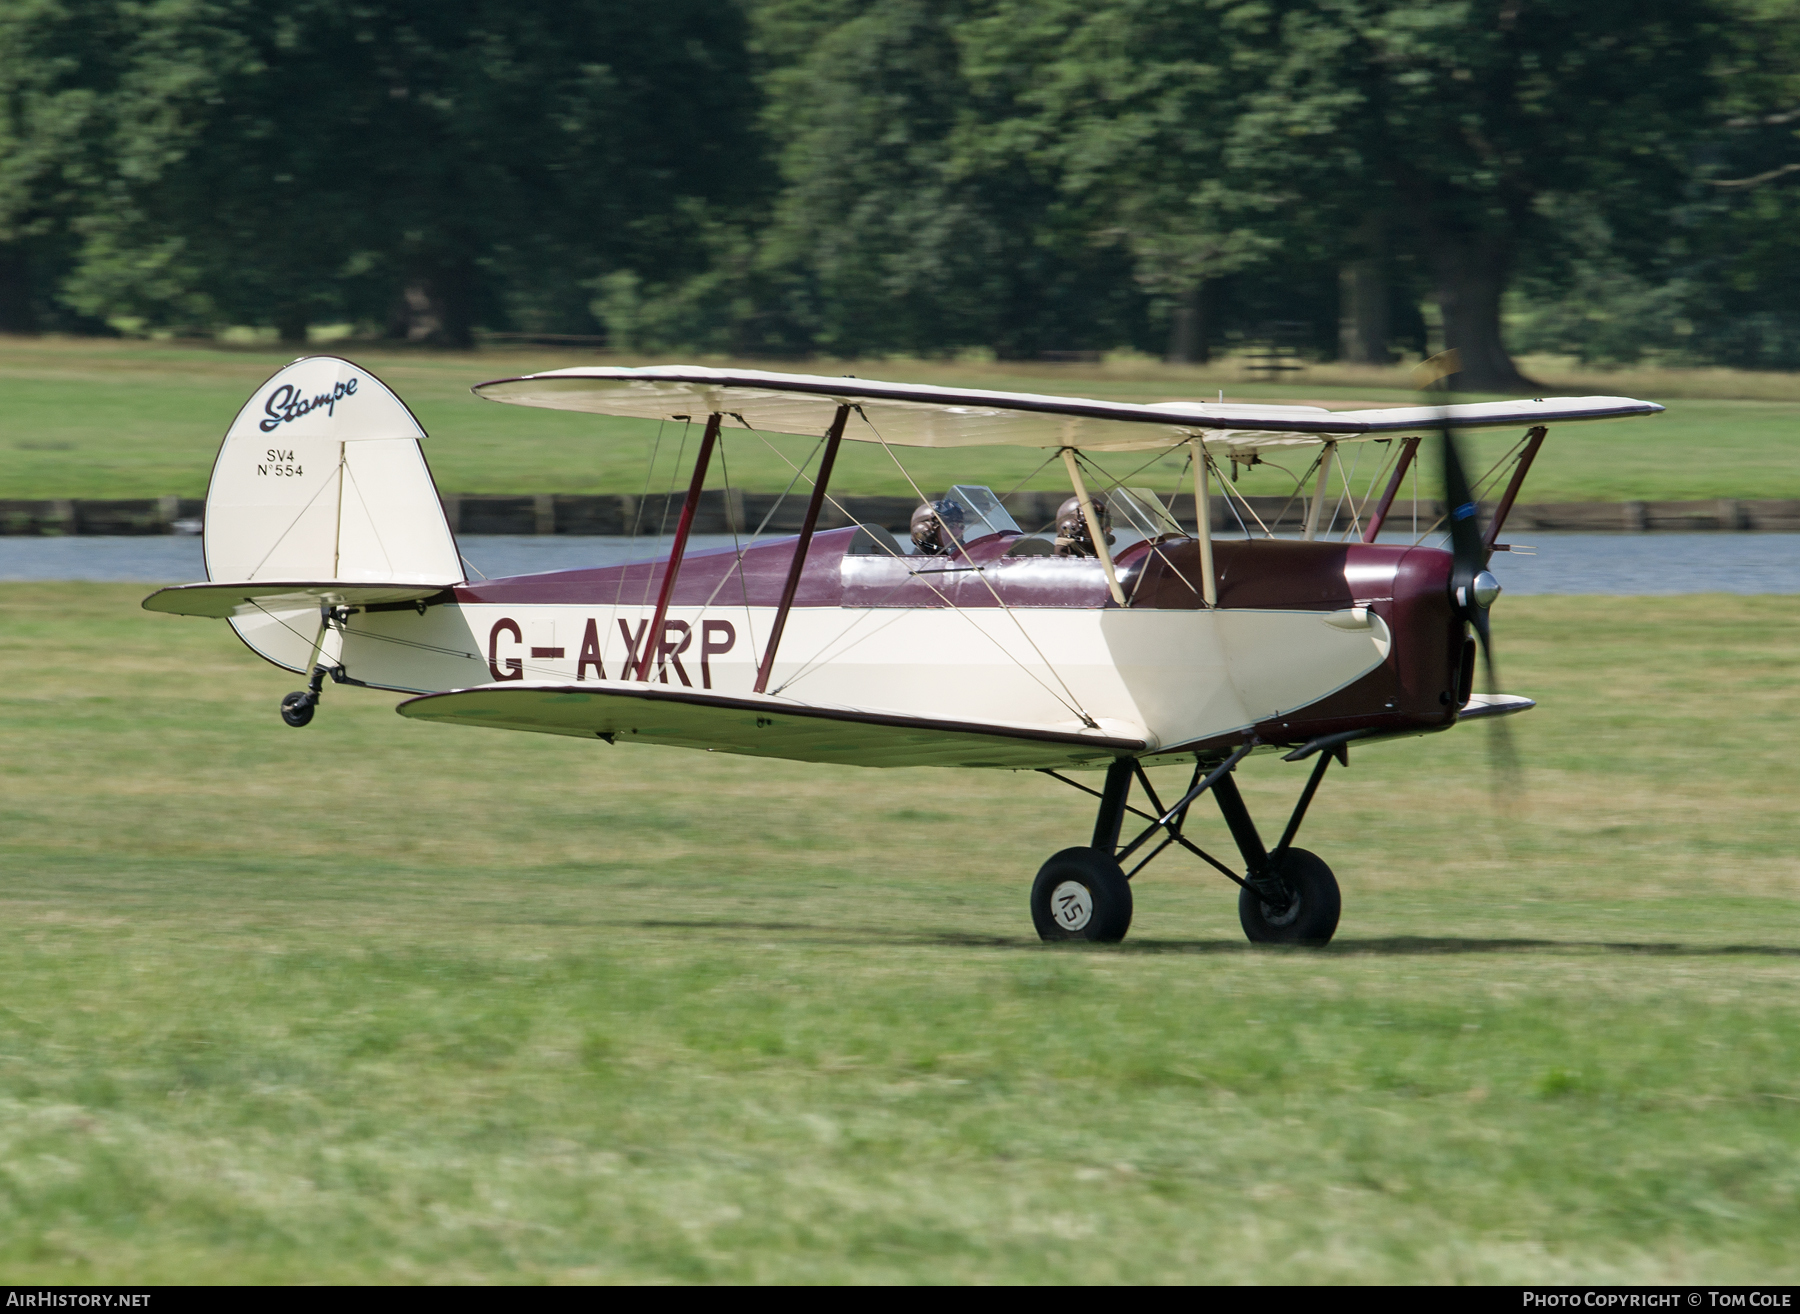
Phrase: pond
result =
(1562, 563)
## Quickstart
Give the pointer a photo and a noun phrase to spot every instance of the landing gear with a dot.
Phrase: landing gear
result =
(298, 707)
(1305, 903)
(1287, 896)
(1081, 894)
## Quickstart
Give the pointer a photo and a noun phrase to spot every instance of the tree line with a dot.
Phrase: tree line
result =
(1357, 178)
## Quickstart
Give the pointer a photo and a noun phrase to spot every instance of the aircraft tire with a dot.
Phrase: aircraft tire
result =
(297, 707)
(1313, 917)
(1081, 894)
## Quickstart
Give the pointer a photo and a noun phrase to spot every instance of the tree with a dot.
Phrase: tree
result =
(912, 217)
(273, 161)
(1463, 121)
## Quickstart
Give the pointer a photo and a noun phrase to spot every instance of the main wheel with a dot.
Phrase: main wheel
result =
(1311, 917)
(297, 707)
(1081, 894)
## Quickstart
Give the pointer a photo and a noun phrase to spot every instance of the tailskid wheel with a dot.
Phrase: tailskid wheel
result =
(1082, 894)
(1309, 916)
(297, 707)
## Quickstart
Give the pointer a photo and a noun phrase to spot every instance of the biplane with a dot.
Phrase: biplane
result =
(1122, 642)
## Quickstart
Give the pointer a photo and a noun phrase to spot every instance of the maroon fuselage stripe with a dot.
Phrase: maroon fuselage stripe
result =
(1418, 686)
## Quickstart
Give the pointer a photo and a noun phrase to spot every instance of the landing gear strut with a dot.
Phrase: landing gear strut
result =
(298, 707)
(1083, 894)
(1287, 896)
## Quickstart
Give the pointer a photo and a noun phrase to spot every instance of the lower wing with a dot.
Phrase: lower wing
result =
(768, 727)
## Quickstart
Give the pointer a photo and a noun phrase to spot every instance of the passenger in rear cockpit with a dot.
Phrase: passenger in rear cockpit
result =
(1072, 536)
(937, 527)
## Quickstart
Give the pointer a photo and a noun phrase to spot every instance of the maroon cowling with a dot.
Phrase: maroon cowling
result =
(1420, 686)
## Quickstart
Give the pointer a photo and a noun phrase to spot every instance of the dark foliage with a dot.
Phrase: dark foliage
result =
(786, 177)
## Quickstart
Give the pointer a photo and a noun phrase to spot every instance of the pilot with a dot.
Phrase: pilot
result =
(1072, 537)
(937, 527)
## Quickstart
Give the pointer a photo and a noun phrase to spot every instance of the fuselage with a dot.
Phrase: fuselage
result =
(1307, 639)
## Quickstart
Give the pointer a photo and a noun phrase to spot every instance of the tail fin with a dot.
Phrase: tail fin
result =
(320, 482)
(320, 478)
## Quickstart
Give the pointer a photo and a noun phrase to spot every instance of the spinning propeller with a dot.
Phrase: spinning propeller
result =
(1473, 587)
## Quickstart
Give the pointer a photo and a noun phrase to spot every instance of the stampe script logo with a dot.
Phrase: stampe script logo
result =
(286, 403)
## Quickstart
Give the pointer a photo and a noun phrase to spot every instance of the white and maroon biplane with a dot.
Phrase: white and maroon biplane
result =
(1123, 643)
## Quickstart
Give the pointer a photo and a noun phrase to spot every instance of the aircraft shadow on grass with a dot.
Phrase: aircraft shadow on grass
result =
(1395, 946)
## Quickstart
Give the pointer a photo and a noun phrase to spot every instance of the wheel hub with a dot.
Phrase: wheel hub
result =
(1072, 905)
(1281, 915)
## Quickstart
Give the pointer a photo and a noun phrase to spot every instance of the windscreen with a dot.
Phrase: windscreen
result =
(982, 510)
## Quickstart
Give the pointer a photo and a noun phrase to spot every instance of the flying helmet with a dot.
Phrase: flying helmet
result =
(1072, 537)
(937, 527)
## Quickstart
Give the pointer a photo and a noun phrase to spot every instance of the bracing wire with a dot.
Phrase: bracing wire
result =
(637, 519)
(1233, 490)
(1109, 483)
(1073, 702)
(1476, 489)
(668, 497)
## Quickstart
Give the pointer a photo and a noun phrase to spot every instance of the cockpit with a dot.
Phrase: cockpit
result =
(970, 514)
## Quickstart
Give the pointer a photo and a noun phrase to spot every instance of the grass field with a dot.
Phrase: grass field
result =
(379, 1001)
(85, 418)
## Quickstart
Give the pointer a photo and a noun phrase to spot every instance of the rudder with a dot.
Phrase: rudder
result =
(321, 477)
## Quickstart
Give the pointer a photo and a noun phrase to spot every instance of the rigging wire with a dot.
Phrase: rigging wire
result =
(663, 523)
(814, 661)
(737, 547)
(1073, 703)
(1233, 489)
(337, 474)
(637, 520)
(799, 472)
(1155, 546)
(1481, 485)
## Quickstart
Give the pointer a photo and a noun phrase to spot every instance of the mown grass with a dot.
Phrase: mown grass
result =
(84, 418)
(379, 1001)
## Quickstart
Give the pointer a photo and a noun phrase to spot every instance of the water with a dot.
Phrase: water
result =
(1565, 563)
(177, 559)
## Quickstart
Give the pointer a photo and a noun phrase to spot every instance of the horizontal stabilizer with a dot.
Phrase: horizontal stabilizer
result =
(761, 726)
(226, 600)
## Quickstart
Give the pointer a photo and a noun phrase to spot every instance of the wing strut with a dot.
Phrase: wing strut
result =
(653, 639)
(1534, 440)
(1409, 448)
(833, 439)
(1093, 524)
(1209, 587)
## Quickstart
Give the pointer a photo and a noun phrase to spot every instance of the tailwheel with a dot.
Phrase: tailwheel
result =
(1082, 894)
(1298, 902)
(297, 708)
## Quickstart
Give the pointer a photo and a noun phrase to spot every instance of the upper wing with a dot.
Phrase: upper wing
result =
(920, 415)
(762, 726)
(225, 600)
